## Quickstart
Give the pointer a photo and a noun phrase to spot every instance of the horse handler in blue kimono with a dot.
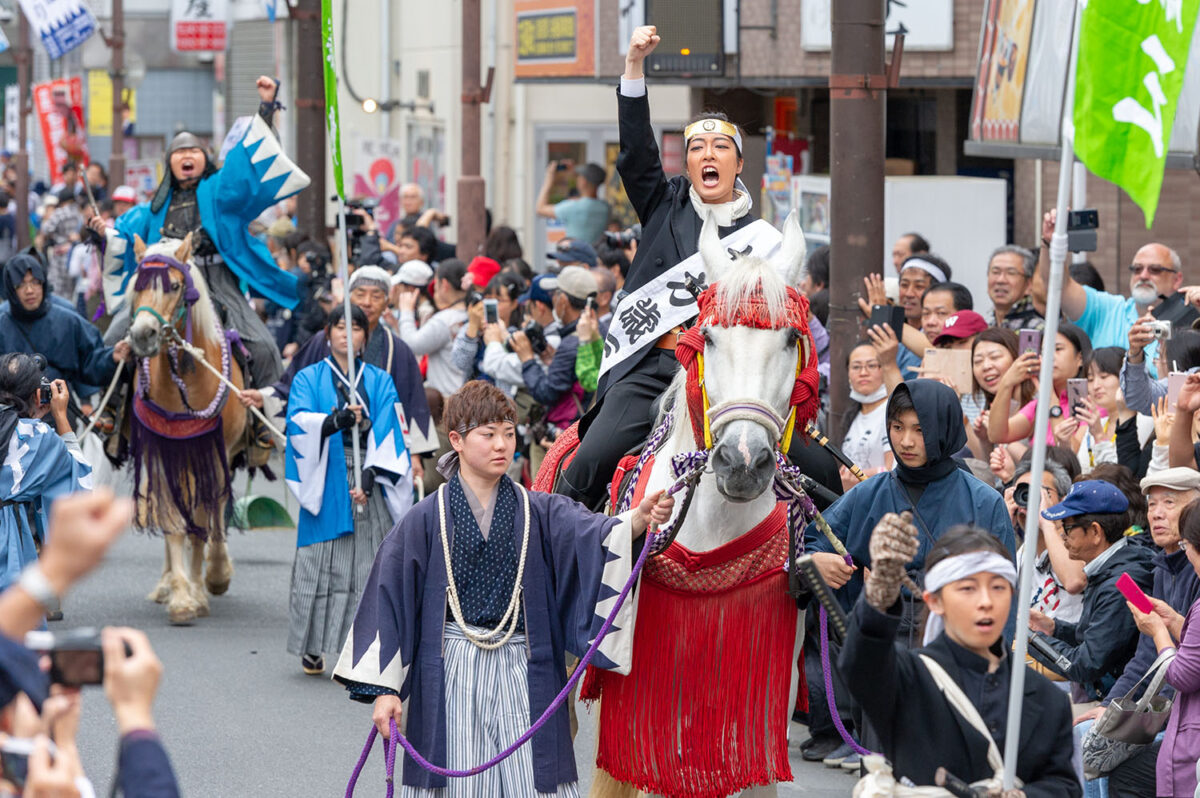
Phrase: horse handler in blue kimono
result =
(471, 605)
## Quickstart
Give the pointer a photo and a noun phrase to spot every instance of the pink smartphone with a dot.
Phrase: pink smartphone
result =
(1131, 591)
(1175, 381)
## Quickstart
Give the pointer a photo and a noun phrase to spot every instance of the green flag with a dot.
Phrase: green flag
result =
(1132, 56)
(332, 121)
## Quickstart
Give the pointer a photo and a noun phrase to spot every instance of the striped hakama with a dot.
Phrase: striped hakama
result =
(328, 578)
(487, 708)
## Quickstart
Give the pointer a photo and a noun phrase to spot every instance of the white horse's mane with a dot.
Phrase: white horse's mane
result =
(746, 278)
(203, 315)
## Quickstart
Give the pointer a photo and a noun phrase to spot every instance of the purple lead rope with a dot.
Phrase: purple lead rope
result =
(829, 697)
(555, 705)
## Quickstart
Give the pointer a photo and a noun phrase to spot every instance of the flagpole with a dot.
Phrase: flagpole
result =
(1058, 257)
(333, 123)
(351, 366)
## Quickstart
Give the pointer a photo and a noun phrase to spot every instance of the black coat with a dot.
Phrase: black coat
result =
(1105, 638)
(918, 729)
(670, 225)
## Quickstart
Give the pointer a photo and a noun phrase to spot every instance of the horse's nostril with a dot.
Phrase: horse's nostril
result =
(763, 460)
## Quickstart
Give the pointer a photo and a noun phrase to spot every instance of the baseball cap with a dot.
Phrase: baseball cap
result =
(592, 172)
(575, 252)
(542, 289)
(124, 194)
(962, 324)
(483, 269)
(1178, 478)
(1088, 497)
(416, 273)
(578, 282)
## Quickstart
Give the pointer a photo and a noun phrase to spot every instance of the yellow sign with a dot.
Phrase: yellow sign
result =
(100, 103)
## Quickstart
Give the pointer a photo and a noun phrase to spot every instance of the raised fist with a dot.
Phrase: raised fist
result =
(642, 42)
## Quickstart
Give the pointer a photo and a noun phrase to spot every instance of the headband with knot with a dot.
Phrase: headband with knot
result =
(713, 126)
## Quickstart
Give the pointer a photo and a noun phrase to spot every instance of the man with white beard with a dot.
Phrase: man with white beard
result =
(1155, 280)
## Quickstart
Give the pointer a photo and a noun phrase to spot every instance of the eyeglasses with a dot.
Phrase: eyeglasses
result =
(1067, 530)
(1153, 268)
(867, 367)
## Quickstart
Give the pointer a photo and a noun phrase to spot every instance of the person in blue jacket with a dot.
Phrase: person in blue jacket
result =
(925, 429)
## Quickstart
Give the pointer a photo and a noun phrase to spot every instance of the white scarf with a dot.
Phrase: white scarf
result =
(723, 213)
(867, 399)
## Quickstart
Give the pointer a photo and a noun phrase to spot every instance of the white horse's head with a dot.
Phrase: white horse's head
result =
(168, 292)
(750, 356)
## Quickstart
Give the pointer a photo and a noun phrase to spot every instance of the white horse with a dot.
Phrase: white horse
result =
(750, 372)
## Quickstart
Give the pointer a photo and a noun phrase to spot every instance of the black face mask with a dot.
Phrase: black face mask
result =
(939, 411)
(14, 274)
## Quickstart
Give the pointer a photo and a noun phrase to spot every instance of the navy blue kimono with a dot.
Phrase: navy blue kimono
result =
(947, 495)
(578, 562)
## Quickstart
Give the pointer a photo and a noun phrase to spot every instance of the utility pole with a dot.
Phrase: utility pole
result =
(310, 116)
(471, 194)
(116, 161)
(24, 59)
(857, 89)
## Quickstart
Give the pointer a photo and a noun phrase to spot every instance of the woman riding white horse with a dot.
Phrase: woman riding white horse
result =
(705, 709)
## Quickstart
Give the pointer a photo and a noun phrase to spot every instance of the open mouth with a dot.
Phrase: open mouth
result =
(710, 176)
(188, 168)
(985, 624)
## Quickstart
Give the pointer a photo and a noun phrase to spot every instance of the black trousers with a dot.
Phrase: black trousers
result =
(1136, 777)
(620, 422)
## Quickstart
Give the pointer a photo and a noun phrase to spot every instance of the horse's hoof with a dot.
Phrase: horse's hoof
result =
(159, 594)
(218, 588)
(182, 616)
(202, 611)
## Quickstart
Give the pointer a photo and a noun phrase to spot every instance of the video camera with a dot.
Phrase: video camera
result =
(44, 389)
(355, 225)
(623, 239)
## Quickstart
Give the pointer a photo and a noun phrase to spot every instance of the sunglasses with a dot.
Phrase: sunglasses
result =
(1153, 268)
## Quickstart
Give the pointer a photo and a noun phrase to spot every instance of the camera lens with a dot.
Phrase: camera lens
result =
(1021, 495)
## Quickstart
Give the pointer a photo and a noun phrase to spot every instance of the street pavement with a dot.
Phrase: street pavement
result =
(235, 711)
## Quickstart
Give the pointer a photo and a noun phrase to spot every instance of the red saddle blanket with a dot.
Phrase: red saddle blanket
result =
(704, 712)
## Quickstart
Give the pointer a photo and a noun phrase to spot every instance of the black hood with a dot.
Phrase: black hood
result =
(14, 272)
(939, 410)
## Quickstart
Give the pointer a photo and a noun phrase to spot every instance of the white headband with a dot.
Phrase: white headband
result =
(373, 274)
(959, 567)
(920, 263)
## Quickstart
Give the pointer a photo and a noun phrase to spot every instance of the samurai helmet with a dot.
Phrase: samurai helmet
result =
(182, 141)
(186, 141)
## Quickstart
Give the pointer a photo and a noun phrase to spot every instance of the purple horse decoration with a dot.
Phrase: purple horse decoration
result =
(184, 430)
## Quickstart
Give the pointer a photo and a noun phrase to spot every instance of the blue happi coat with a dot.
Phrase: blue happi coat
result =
(315, 467)
(38, 468)
(578, 561)
(256, 174)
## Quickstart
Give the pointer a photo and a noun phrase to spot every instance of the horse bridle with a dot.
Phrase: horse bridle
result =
(157, 267)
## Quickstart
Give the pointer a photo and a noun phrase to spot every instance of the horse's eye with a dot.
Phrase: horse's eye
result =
(793, 337)
(708, 339)
(174, 287)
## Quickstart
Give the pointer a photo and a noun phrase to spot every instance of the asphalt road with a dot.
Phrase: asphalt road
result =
(236, 713)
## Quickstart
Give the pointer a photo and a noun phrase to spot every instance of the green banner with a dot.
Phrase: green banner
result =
(1132, 56)
(332, 120)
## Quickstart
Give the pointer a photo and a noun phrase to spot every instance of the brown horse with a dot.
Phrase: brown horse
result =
(184, 430)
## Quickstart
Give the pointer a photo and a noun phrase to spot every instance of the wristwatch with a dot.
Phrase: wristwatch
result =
(34, 582)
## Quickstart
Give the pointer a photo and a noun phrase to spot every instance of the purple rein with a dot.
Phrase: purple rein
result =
(155, 272)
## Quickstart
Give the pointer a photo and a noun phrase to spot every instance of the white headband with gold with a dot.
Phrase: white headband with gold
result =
(713, 126)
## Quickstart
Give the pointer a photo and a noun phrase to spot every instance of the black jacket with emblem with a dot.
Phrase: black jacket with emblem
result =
(670, 225)
(919, 731)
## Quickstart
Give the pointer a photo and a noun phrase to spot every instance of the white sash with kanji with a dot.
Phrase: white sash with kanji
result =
(653, 310)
